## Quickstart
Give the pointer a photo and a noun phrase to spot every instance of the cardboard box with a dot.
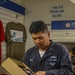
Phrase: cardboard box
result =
(15, 67)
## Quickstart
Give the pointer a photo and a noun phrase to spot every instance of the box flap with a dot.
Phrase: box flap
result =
(12, 66)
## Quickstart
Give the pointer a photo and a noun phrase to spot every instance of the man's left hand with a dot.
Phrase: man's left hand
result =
(40, 73)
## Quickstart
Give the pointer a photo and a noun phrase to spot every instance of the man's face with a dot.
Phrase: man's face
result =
(41, 39)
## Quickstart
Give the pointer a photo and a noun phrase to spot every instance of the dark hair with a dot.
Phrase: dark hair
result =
(38, 26)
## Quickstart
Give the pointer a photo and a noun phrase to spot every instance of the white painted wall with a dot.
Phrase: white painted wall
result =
(40, 10)
(17, 1)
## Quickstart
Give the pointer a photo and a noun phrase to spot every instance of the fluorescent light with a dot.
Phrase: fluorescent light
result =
(73, 1)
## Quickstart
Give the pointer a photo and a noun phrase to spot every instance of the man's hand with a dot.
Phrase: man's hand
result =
(40, 73)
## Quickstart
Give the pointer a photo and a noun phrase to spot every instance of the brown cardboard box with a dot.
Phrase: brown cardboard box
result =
(15, 67)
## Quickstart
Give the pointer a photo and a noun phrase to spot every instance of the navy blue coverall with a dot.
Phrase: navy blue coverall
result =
(55, 61)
